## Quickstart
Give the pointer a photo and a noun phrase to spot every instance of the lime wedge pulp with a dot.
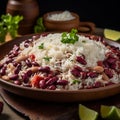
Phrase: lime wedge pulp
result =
(112, 34)
(110, 112)
(86, 113)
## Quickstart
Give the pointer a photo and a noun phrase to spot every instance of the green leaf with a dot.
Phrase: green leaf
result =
(41, 46)
(39, 27)
(75, 81)
(69, 37)
(47, 58)
(9, 24)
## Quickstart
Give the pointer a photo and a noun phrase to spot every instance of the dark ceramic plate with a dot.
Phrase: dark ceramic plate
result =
(51, 95)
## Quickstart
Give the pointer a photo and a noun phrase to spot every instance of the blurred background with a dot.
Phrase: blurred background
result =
(103, 14)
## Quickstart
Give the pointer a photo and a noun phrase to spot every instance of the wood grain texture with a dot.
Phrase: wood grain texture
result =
(40, 110)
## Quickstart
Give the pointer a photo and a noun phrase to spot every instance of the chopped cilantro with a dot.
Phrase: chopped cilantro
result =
(41, 46)
(75, 81)
(47, 58)
(83, 41)
(69, 37)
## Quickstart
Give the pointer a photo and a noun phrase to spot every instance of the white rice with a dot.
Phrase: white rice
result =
(63, 16)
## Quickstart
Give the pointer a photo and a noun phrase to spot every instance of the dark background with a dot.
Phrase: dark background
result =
(105, 14)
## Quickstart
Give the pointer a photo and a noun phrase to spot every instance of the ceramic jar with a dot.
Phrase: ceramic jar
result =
(29, 9)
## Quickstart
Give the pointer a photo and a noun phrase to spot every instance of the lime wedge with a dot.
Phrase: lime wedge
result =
(110, 112)
(86, 113)
(112, 34)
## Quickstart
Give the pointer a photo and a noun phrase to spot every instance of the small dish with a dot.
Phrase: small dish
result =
(66, 25)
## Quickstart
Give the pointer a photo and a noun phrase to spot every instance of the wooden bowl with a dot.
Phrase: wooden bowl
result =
(67, 25)
(53, 95)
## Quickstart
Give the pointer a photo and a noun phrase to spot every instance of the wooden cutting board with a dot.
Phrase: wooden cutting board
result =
(40, 110)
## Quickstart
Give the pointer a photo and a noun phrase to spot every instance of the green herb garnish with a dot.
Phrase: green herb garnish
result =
(83, 41)
(41, 46)
(70, 37)
(75, 81)
(47, 58)
(39, 27)
(9, 24)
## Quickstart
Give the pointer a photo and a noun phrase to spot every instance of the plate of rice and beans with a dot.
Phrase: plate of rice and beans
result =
(61, 67)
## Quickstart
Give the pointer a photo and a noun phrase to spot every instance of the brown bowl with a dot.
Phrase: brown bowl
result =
(67, 25)
(53, 95)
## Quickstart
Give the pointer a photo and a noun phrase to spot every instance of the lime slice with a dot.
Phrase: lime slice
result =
(110, 112)
(112, 34)
(86, 113)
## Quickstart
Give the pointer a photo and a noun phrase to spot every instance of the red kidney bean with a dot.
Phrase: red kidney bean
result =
(17, 82)
(16, 48)
(92, 74)
(108, 72)
(78, 68)
(35, 63)
(14, 77)
(51, 81)
(44, 69)
(8, 60)
(113, 66)
(29, 73)
(96, 38)
(75, 72)
(3, 70)
(36, 37)
(47, 78)
(44, 34)
(25, 78)
(13, 53)
(106, 64)
(17, 69)
(89, 87)
(42, 84)
(97, 84)
(51, 87)
(104, 42)
(111, 60)
(118, 65)
(109, 83)
(81, 60)
(1, 65)
(118, 54)
(62, 82)
(28, 42)
(109, 54)
(28, 63)
(83, 75)
(15, 63)
(100, 63)
(26, 45)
